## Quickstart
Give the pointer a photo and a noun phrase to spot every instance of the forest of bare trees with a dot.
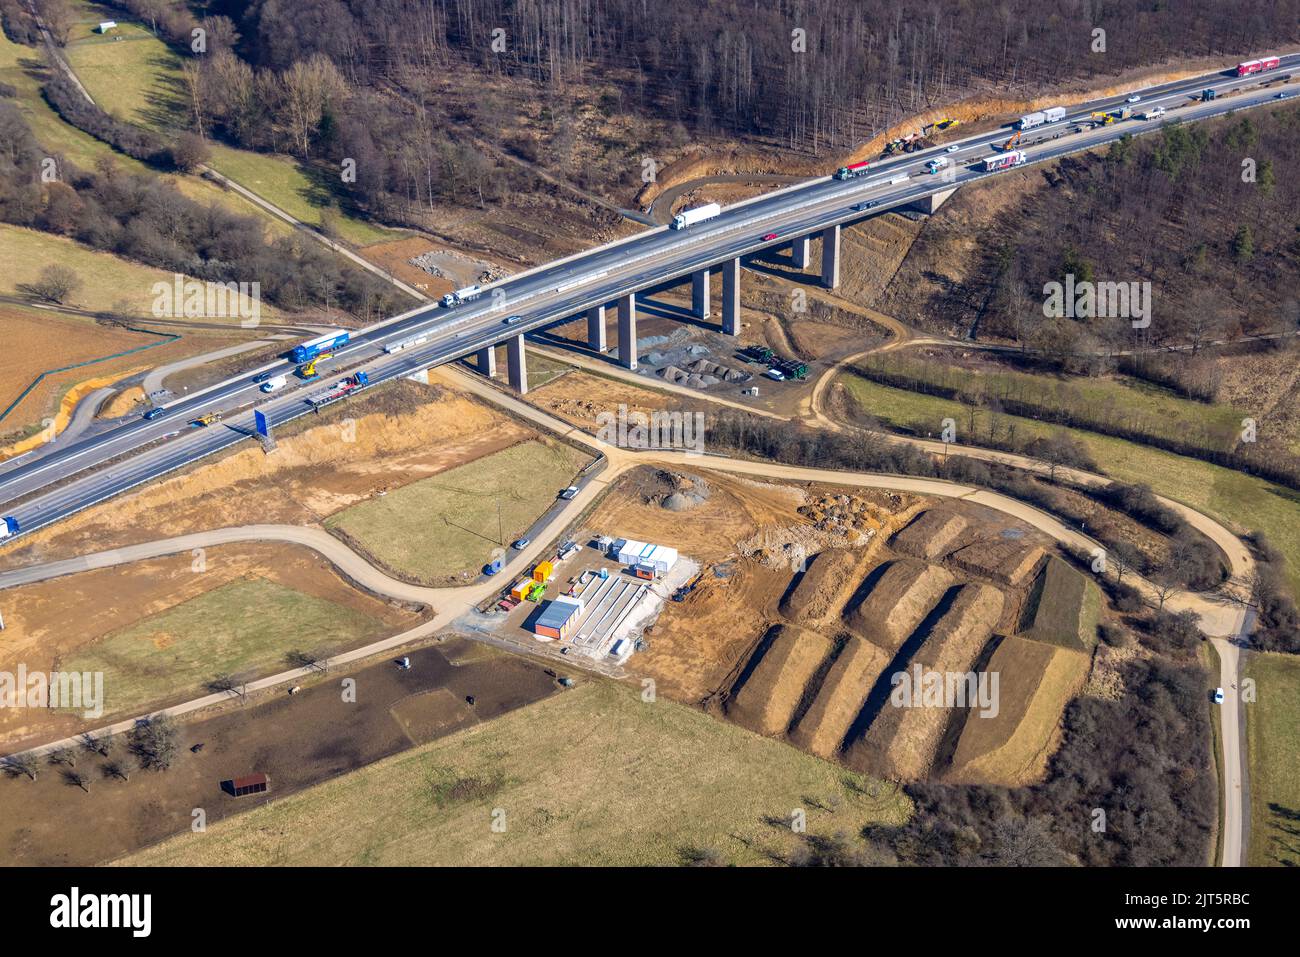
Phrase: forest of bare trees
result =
(334, 79)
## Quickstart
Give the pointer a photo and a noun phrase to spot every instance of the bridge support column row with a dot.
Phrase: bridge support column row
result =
(700, 294)
(597, 338)
(801, 252)
(831, 257)
(627, 331)
(517, 364)
(486, 363)
(731, 297)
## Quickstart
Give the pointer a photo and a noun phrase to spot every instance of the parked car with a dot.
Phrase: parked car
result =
(154, 413)
(1218, 696)
(520, 544)
(569, 493)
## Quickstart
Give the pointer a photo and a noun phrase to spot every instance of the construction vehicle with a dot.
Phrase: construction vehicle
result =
(1208, 94)
(344, 386)
(9, 526)
(309, 370)
(948, 124)
(681, 593)
(790, 368)
(204, 421)
(1010, 144)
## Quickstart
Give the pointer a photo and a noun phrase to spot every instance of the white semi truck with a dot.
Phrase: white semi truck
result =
(461, 295)
(689, 217)
(1030, 120)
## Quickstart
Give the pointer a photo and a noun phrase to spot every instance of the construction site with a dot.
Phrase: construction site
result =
(792, 610)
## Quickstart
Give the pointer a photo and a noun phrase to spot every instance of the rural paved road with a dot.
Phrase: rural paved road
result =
(1234, 757)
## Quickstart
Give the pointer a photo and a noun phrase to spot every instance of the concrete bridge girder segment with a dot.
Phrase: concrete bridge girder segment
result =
(627, 331)
(486, 363)
(700, 293)
(517, 364)
(731, 296)
(597, 337)
(801, 252)
(831, 257)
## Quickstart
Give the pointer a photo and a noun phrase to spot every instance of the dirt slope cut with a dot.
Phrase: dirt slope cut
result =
(902, 741)
(1063, 608)
(820, 587)
(1006, 561)
(827, 721)
(899, 602)
(772, 686)
(1011, 748)
(931, 535)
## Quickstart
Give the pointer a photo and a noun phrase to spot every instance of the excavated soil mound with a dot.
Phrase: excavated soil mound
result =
(1011, 748)
(843, 692)
(899, 602)
(931, 535)
(821, 585)
(903, 740)
(1004, 560)
(708, 368)
(774, 681)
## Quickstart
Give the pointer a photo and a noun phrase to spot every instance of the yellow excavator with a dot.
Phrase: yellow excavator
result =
(205, 420)
(1011, 143)
(309, 370)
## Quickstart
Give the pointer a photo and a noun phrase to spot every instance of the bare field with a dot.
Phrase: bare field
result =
(139, 620)
(592, 776)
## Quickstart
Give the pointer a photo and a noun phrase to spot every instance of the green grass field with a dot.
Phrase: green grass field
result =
(441, 527)
(1273, 752)
(138, 79)
(1135, 404)
(592, 776)
(1232, 497)
(105, 278)
(19, 67)
(244, 626)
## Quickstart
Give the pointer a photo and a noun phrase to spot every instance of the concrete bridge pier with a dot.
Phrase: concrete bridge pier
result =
(627, 331)
(801, 252)
(486, 362)
(831, 257)
(731, 296)
(517, 364)
(700, 294)
(596, 334)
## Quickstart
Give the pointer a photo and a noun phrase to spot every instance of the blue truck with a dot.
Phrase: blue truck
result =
(9, 526)
(313, 347)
